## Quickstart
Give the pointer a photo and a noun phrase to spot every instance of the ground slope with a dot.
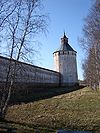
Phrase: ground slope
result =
(78, 110)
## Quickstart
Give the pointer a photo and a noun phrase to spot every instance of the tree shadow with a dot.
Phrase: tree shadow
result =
(34, 94)
(24, 127)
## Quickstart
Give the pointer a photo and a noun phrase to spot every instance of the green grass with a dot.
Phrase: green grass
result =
(78, 110)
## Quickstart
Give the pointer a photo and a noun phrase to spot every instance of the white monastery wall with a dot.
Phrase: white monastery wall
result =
(68, 67)
(65, 63)
(27, 73)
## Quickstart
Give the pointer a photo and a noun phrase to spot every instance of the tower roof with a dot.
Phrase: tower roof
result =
(64, 45)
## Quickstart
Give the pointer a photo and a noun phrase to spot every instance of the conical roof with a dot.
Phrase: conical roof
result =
(64, 45)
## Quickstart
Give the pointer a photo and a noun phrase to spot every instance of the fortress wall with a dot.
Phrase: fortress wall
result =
(65, 63)
(68, 67)
(29, 74)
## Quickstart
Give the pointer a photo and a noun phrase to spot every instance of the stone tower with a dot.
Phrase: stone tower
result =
(65, 63)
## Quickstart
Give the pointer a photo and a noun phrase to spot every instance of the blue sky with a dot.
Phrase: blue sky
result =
(68, 16)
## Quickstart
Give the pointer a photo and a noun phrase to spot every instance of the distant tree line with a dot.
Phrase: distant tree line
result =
(91, 43)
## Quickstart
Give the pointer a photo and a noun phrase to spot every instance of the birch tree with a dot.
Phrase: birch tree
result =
(91, 43)
(23, 22)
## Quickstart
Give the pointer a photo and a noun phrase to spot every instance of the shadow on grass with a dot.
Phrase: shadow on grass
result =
(25, 128)
(29, 128)
(35, 94)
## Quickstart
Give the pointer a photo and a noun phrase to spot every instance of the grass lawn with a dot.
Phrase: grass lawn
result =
(78, 110)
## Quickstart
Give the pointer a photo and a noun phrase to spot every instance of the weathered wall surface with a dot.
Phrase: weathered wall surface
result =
(65, 63)
(30, 74)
